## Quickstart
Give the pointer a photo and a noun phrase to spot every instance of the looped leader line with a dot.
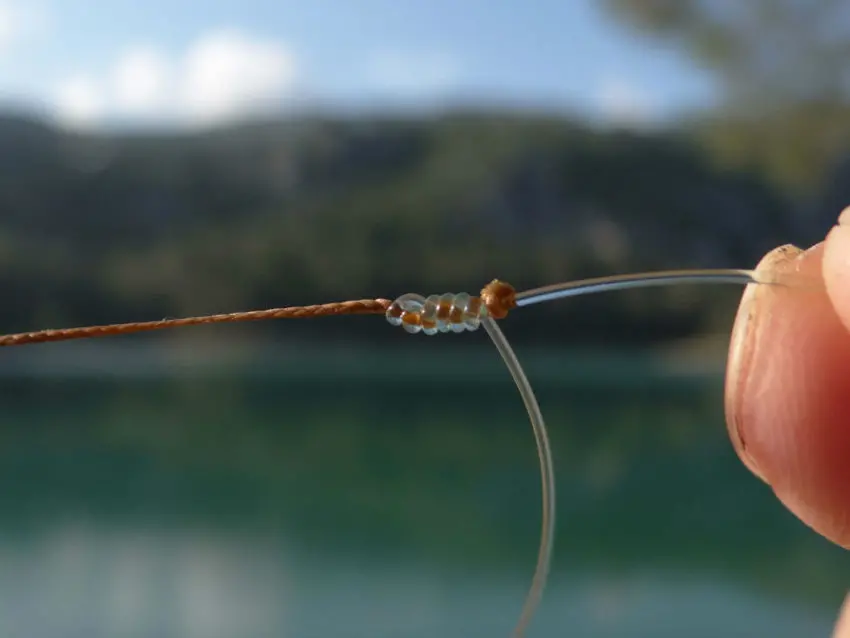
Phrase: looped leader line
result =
(454, 313)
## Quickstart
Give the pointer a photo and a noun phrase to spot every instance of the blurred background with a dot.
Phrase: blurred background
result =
(338, 477)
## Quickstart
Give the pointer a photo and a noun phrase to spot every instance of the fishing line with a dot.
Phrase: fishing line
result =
(461, 312)
(457, 313)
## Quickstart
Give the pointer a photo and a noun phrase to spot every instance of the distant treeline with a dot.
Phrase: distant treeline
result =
(102, 228)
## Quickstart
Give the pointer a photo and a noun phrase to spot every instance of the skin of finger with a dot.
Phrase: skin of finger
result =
(842, 629)
(788, 394)
(836, 270)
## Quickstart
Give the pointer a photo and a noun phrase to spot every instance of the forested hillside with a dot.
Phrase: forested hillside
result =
(101, 228)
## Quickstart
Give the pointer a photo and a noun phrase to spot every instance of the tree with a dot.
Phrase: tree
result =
(782, 68)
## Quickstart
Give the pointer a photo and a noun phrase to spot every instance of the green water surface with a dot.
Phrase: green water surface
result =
(390, 500)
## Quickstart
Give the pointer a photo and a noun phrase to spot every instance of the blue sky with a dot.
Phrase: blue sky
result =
(187, 62)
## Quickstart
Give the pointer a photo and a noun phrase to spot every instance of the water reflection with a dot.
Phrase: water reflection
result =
(276, 505)
(82, 580)
(79, 579)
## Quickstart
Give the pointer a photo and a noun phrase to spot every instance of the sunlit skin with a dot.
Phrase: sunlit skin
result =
(788, 387)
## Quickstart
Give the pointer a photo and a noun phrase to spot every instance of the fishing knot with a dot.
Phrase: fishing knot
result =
(499, 297)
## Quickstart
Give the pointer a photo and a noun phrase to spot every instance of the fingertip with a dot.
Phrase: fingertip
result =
(741, 351)
(788, 394)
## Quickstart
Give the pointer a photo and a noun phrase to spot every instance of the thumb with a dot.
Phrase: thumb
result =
(836, 267)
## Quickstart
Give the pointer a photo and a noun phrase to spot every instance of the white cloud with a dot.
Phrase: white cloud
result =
(226, 73)
(140, 82)
(222, 75)
(19, 22)
(620, 102)
(79, 101)
(413, 73)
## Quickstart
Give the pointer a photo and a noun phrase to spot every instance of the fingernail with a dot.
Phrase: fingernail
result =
(780, 256)
(844, 217)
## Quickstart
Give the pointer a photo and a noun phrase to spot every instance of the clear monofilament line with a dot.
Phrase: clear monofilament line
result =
(547, 474)
(665, 278)
(637, 280)
(461, 312)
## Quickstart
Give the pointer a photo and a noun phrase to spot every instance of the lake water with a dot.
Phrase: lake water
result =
(385, 499)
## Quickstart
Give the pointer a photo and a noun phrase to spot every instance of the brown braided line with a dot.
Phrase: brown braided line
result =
(498, 296)
(354, 307)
